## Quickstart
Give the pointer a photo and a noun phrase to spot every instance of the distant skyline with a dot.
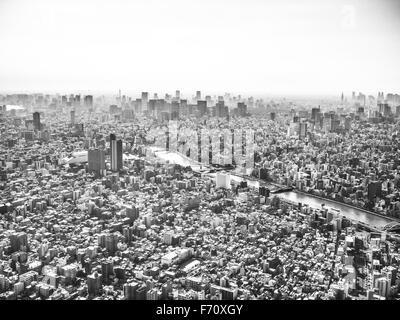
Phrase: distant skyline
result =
(252, 47)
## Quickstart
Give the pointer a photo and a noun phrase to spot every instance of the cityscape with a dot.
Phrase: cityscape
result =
(196, 193)
(96, 205)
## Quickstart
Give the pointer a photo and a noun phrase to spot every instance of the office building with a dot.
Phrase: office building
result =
(72, 117)
(88, 101)
(115, 153)
(96, 160)
(36, 121)
(94, 284)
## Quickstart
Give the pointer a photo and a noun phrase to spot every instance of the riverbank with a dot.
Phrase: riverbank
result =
(349, 211)
(347, 205)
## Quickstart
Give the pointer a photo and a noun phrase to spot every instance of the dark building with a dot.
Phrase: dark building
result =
(303, 130)
(384, 109)
(130, 290)
(88, 101)
(36, 121)
(242, 109)
(374, 190)
(116, 153)
(221, 110)
(77, 100)
(94, 284)
(145, 99)
(96, 160)
(19, 241)
(107, 270)
(175, 110)
(314, 113)
(202, 107)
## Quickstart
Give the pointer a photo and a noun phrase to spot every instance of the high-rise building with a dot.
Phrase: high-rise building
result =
(107, 269)
(177, 94)
(130, 290)
(303, 130)
(242, 109)
(77, 100)
(198, 95)
(374, 190)
(88, 101)
(314, 112)
(145, 96)
(72, 117)
(116, 153)
(347, 123)
(175, 110)
(202, 107)
(18, 241)
(272, 116)
(94, 283)
(221, 110)
(110, 242)
(36, 121)
(96, 160)
(145, 100)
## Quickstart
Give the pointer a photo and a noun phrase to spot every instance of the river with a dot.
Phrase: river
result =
(347, 211)
(313, 202)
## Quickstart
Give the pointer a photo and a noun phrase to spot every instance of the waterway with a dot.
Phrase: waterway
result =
(347, 211)
(313, 202)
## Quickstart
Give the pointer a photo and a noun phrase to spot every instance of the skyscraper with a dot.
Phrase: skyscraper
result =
(88, 101)
(116, 153)
(303, 130)
(202, 107)
(314, 113)
(198, 95)
(96, 160)
(36, 121)
(119, 154)
(77, 100)
(242, 108)
(145, 100)
(94, 284)
(221, 110)
(72, 117)
(145, 96)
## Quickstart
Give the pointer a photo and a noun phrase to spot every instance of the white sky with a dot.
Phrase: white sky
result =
(247, 46)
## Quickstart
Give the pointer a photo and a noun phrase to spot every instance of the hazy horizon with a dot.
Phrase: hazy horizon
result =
(260, 48)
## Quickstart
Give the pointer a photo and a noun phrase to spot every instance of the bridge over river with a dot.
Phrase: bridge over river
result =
(366, 218)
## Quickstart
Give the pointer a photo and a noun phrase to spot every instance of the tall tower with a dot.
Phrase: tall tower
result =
(72, 117)
(36, 121)
(88, 101)
(116, 153)
(96, 160)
